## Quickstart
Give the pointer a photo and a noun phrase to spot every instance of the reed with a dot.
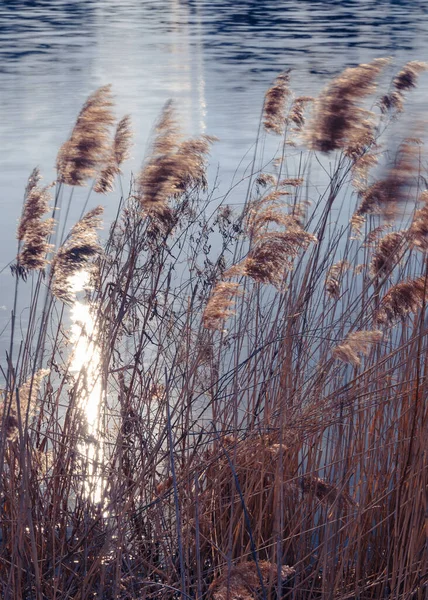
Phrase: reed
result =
(231, 404)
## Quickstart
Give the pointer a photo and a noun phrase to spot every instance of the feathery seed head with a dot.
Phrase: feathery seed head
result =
(274, 106)
(338, 120)
(358, 342)
(88, 146)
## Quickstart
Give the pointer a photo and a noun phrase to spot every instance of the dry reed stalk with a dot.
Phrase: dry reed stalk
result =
(219, 304)
(87, 149)
(338, 121)
(74, 255)
(119, 152)
(274, 118)
(400, 300)
(387, 254)
(358, 342)
(334, 278)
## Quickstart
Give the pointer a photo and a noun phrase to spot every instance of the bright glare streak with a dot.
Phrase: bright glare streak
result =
(85, 363)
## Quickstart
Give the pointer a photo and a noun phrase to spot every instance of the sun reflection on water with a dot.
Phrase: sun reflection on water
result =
(86, 365)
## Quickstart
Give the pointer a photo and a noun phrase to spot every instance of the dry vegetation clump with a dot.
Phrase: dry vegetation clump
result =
(236, 400)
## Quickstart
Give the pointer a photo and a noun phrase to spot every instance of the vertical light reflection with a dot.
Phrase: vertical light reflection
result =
(86, 365)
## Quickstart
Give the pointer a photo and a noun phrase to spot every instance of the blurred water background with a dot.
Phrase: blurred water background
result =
(215, 58)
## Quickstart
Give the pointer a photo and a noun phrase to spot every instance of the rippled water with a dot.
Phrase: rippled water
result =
(215, 58)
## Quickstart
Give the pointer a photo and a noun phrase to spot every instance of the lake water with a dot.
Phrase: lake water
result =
(216, 58)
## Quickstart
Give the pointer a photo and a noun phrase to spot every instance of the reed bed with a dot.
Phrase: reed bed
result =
(218, 404)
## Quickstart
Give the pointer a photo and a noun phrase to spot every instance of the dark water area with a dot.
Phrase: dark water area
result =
(215, 58)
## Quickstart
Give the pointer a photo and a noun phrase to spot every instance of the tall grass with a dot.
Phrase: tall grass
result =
(248, 416)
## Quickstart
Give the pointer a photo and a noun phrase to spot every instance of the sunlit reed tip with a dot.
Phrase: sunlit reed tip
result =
(33, 230)
(118, 153)
(274, 118)
(75, 254)
(87, 148)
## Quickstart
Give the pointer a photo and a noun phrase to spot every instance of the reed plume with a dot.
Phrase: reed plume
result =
(297, 111)
(266, 179)
(87, 148)
(272, 252)
(27, 394)
(334, 278)
(275, 252)
(387, 254)
(358, 342)
(404, 81)
(384, 196)
(274, 118)
(219, 306)
(33, 230)
(119, 152)
(418, 230)
(74, 255)
(338, 120)
(173, 167)
(400, 300)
